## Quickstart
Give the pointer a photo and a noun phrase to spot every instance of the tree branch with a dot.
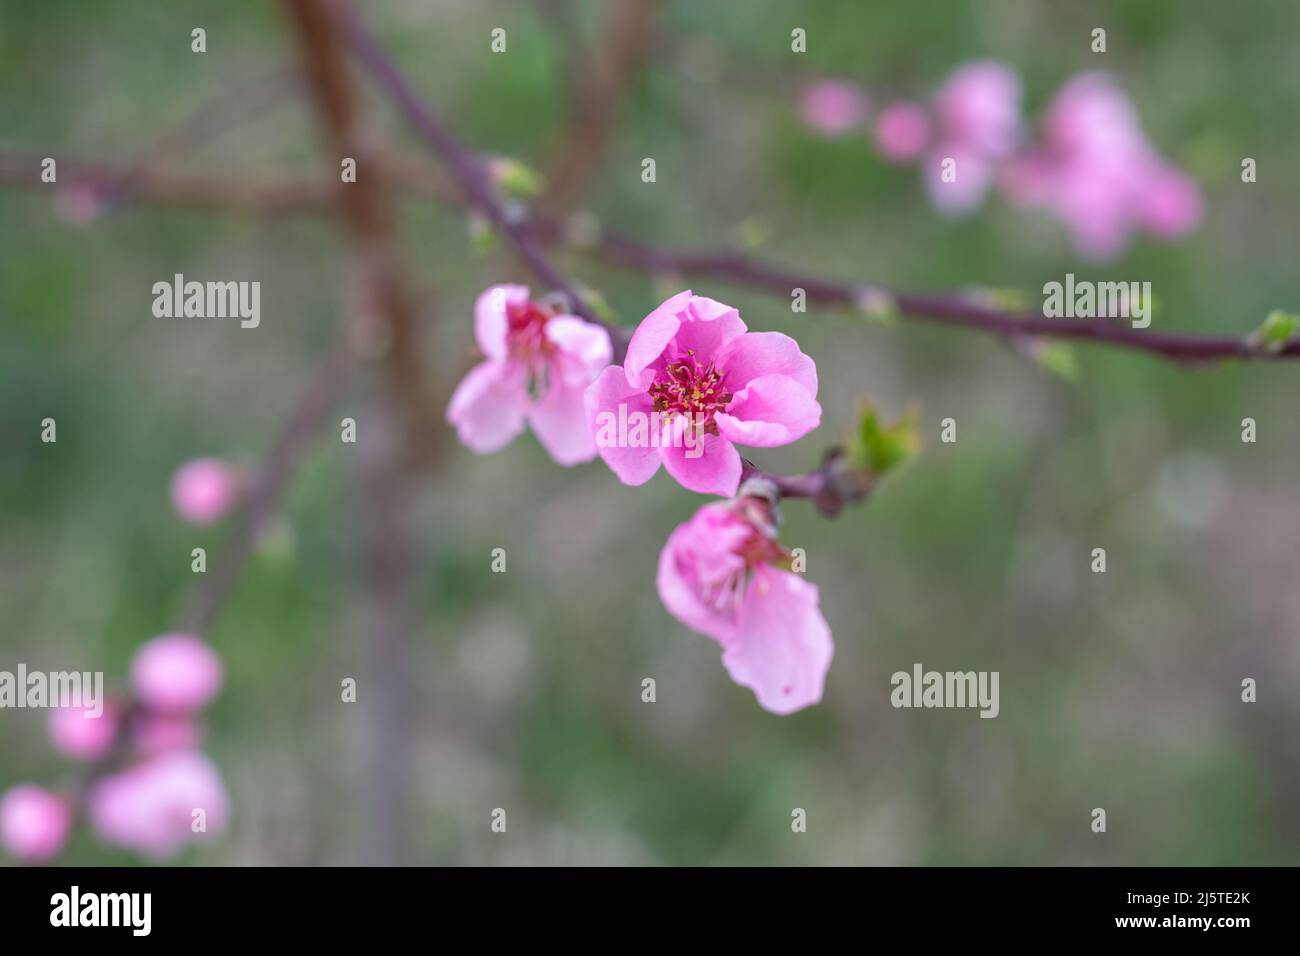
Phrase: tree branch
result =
(465, 168)
(601, 79)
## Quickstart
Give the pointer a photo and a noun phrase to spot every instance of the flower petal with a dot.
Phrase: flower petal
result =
(488, 405)
(697, 567)
(710, 466)
(652, 337)
(559, 421)
(490, 325)
(755, 354)
(634, 465)
(783, 646)
(771, 410)
(584, 348)
(708, 327)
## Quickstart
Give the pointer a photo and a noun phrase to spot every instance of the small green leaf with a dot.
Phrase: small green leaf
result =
(515, 178)
(1276, 331)
(876, 447)
(482, 238)
(1058, 358)
(752, 233)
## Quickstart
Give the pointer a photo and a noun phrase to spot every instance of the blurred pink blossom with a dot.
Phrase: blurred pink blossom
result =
(176, 674)
(693, 361)
(902, 131)
(76, 732)
(159, 733)
(1096, 171)
(204, 490)
(832, 107)
(34, 823)
(150, 808)
(977, 125)
(717, 576)
(538, 365)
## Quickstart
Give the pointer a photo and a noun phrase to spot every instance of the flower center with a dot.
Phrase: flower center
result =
(691, 389)
(526, 329)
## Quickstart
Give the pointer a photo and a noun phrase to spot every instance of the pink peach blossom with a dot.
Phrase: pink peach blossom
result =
(832, 107)
(977, 120)
(204, 490)
(716, 576)
(150, 807)
(34, 823)
(538, 363)
(693, 367)
(76, 731)
(1098, 174)
(902, 131)
(176, 674)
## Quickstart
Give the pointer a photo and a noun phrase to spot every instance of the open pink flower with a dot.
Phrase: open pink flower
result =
(702, 382)
(176, 673)
(538, 365)
(34, 823)
(205, 489)
(155, 807)
(832, 107)
(77, 732)
(717, 576)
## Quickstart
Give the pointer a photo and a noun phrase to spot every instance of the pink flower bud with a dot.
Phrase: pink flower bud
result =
(34, 823)
(832, 107)
(157, 807)
(176, 674)
(204, 490)
(76, 732)
(902, 130)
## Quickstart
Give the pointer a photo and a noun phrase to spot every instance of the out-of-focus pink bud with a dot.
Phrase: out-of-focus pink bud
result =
(902, 131)
(176, 674)
(204, 490)
(78, 733)
(832, 107)
(34, 823)
(158, 806)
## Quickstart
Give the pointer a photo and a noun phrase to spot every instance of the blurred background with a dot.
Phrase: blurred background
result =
(522, 690)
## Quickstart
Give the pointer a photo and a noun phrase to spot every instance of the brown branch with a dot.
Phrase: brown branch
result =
(279, 465)
(252, 193)
(952, 310)
(601, 79)
(466, 170)
(369, 216)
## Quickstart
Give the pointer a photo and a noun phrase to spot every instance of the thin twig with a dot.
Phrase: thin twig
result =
(466, 170)
(279, 465)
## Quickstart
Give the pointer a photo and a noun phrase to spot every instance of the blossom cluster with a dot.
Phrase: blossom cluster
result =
(163, 793)
(698, 383)
(151, 789)
(1090, 164)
